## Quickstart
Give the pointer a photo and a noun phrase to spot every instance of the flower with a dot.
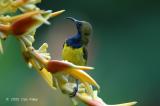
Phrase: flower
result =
(27, 22)
(58, 66)
(97, 101)
(32, 62)
(8, 6)
(24, 26)
(57, 72)
(77, 72)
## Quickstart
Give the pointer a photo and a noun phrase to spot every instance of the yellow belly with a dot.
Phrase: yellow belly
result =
(73, 55)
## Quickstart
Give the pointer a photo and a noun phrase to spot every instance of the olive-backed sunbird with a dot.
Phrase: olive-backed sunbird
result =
(74, 48)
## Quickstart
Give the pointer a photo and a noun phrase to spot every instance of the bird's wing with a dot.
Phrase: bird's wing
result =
(85, 54)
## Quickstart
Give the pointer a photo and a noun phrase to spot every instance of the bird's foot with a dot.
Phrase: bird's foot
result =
(75, 90)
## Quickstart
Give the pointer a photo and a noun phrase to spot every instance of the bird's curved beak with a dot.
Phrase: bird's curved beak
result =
(72, 19)
(76, 22)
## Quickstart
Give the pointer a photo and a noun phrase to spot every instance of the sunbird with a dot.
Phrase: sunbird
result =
(75, 47)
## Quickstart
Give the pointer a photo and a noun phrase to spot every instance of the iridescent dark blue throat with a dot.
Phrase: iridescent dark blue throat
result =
(75, 41)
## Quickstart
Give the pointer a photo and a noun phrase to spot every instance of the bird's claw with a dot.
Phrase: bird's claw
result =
(75, 90)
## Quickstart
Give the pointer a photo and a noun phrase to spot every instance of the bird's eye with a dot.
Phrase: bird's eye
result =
(79, 24)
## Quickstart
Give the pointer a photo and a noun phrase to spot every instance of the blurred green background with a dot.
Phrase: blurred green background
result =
(124, 49)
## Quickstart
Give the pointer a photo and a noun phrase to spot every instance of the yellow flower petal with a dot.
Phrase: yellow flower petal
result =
(47, 76)
(125, 104)
(57, 13)
(82, 76)
(18, 17)
(84, 68)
